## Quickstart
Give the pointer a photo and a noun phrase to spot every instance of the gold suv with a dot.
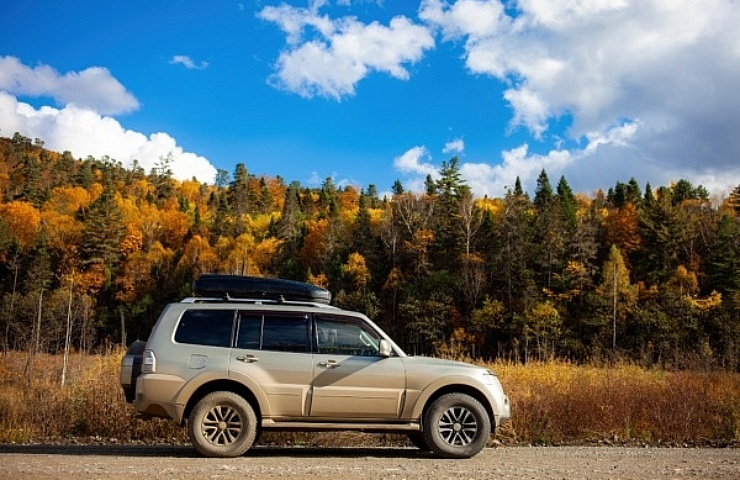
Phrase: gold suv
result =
(284, 359)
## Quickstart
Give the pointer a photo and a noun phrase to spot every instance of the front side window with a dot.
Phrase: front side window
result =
(345, 336)
(206, 327)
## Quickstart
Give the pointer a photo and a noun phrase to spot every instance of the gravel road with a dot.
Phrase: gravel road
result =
(112, 462)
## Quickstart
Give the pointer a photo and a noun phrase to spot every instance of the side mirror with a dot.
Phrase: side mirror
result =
(384, 349)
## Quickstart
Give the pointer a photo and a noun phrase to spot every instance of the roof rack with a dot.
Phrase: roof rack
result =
(257, 301)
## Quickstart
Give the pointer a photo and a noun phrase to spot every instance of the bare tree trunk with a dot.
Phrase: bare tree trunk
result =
(35, 340)
(11, 308)
(38, 322)
(614, 315)
(68, 334)
(123, 327)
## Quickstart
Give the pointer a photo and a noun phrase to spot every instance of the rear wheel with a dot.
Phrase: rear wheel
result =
(222, 424)
(456, 426)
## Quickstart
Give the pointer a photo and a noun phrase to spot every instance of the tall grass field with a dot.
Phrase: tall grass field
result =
(552, 403)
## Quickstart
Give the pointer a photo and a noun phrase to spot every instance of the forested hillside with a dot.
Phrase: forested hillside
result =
(90, 252)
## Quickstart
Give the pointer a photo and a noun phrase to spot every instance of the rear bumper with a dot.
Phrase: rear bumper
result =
(156, 396)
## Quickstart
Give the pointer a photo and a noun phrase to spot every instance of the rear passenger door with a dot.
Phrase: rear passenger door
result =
(273, 349)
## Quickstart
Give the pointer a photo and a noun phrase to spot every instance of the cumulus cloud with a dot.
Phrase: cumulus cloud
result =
(580, 166)
(415, 165)
(455, 146)
(93, 88)
(414, 162)
(81, 126)
(188, 62)
(328, 57)
(667, 69)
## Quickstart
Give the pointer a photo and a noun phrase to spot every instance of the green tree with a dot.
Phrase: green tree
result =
(723, 262)
(664, 232)
(449, 226)
(649, 198)
(518, 187)
(103, 231)
(567, 201)
(511, 251)
(683, 190)
(543, 194)
(238, 198)
(625, 193)
(328, 199)
(550, 231)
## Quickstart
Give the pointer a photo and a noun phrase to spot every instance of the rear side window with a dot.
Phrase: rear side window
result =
(273, 331)
(250, 331)
(206, 327)
(285, 334)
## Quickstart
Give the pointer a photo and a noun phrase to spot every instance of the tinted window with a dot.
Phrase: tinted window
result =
(285, 333)
(250, 328)
(206, 327)
(345, 336)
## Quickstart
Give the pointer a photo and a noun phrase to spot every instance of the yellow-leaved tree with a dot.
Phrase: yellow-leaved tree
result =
(616, 287)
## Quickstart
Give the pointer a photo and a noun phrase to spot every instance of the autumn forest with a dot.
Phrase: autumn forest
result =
(91, 251)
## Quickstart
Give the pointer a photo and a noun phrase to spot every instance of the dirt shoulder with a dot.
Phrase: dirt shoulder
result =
(83, 462)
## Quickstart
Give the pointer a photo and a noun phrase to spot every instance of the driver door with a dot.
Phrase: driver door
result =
(351, 379)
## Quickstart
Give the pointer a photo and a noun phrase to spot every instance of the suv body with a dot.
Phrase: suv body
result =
(232, 368)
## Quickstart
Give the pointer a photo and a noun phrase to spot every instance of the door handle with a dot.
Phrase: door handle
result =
(248, 359)
(330, 364)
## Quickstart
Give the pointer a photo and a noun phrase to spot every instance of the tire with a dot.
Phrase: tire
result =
(222, 424)
(134, 354)
(456, 426)
(417, 440)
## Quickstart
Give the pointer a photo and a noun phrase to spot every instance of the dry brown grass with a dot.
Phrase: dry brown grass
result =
(559, 402)
(551, 403)
(90, 405)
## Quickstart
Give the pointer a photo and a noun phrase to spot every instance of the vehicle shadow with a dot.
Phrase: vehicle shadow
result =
(187, 451)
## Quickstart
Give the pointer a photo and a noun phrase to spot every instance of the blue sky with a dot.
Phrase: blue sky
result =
(370, 91)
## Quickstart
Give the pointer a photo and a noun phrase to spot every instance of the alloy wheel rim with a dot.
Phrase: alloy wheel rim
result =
(222, 425)
(458, 426)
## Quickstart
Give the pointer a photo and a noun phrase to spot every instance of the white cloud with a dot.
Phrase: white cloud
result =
(328, 57)
(602, 160)
(81, 129)
(415, 166)
(667, 69)
(188, 62)
(413, 162)
(92, 88)
(455, 146)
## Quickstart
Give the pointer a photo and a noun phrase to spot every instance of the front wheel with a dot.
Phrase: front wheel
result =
(417, 440)
(456, 426)
(222, 424)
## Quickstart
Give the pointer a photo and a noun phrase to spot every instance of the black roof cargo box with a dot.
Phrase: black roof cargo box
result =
(248, 287)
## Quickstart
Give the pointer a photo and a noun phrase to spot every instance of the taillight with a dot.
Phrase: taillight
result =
(149, 362)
